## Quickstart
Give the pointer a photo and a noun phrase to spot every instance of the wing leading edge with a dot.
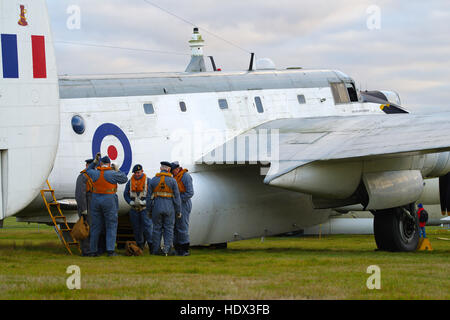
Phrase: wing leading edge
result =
(296, 142)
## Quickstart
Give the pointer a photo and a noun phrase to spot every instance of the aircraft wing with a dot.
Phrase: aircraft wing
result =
(296, 142)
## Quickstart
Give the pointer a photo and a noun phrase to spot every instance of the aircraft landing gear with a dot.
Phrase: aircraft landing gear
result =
(396, 229)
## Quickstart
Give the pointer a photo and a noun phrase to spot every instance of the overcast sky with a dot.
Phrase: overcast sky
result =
(392, 45)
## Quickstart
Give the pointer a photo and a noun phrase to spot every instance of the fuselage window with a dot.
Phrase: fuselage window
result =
(78, 125)
(148, 108)
(301, 99)
(259, 105)
(223, 104)
(183, 106)
(340, 93)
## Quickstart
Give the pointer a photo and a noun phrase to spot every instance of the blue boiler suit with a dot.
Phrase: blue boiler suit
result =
(163, 214)
(181, 235)
(104, 209)
(83, 199)
(140, 221)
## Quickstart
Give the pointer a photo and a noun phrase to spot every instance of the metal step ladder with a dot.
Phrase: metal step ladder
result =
(59, 220)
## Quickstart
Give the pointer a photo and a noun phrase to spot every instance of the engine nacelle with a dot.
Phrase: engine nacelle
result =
(378, 96)
(436, 164)
(391, 189)
(322, 179)
(430, 194)
(392, 97)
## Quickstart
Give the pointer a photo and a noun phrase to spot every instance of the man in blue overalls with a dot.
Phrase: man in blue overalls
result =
(137, 196)
(186, 188)
(166, 204)
(83, 195)
(104, 204)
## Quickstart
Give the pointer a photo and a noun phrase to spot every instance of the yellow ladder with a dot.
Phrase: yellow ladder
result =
(59, 219)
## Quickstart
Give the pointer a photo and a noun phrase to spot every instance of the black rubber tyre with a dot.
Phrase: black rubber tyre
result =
(396, 230)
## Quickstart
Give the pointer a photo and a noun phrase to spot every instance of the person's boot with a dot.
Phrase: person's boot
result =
(159, 252)
(185, 250)
(111, 253)
(171, 252)
(150, 247)
(177, 249)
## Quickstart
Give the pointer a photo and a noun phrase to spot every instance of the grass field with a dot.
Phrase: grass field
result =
(33, 265)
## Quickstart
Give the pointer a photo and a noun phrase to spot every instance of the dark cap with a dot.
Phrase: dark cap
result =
(105, 159)
(89, 161)
(167, 164)
(175, 165)
(137, 168)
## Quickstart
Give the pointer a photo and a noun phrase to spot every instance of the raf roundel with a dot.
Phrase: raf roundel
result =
(110, 140)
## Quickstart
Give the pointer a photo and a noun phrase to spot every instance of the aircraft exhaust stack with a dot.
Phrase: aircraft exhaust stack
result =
(197, 63)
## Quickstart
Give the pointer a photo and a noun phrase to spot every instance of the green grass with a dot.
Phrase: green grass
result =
(33, 266)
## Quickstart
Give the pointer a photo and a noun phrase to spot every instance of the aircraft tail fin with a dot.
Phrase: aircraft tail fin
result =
(29, 100)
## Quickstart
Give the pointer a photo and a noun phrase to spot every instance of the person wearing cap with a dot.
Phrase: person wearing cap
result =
(83, 195)
(104, 203)
(137, 196)
(186, 188)
(166, 198)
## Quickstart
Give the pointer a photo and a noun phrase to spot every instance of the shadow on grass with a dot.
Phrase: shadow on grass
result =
(324, 251)
(29, 246)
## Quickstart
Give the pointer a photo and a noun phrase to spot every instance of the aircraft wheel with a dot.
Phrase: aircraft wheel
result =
(396, 229)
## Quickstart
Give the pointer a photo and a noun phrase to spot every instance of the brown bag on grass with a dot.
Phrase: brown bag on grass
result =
(80, 230)
(132, 249)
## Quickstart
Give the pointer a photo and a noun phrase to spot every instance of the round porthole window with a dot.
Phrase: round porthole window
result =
(78, 124)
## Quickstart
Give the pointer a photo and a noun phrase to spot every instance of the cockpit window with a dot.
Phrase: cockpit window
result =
(340, 93)
(352, 91)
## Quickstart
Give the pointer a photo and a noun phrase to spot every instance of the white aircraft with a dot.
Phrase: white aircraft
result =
(29, 103)
(270, 151)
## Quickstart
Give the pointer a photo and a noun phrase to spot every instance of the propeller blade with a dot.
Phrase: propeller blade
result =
(444, 193)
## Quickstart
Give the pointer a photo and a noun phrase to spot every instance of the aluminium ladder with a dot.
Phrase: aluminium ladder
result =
(59, 220)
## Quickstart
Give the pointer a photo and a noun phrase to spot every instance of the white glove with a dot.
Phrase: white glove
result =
(114, 166)
(142, 202)
(84, 213)
(132, 203)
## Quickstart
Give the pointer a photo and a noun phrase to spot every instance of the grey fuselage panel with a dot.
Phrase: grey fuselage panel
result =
(79, 87)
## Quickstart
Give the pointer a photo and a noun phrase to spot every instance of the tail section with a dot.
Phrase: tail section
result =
(29, 103)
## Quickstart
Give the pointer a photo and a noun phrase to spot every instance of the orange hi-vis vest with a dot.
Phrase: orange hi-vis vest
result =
(101, 186)
(178, 177)
(162, 189)
(89, 182)
(138, 186)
